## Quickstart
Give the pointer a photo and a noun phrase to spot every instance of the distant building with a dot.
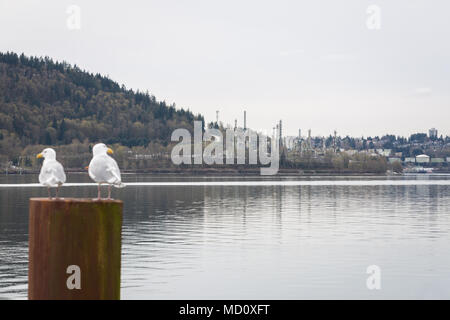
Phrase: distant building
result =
(291, 142)
(423, 158)
(394, 159)
(437, 160)
(433, 133)
(384, 152)
(351, 152)
(448, 159)
(410, 160)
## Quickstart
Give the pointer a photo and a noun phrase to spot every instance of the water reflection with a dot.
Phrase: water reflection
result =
(267, 241)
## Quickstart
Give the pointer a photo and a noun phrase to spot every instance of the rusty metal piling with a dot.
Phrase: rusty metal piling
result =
(74, 249)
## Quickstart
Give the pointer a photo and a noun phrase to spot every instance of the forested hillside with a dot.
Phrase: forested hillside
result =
(43, 102)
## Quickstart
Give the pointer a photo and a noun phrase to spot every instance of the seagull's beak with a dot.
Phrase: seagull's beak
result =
(110, 151)
(87, 167)
(39, 156)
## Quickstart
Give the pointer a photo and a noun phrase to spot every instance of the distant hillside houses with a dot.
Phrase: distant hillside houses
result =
(398, 156)
(384, 152)
(421, 159)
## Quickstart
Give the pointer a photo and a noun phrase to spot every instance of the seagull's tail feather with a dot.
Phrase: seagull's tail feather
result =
(119, 185)
(52, 181)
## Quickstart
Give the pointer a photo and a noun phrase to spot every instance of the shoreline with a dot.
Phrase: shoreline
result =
(231, 172)
(226, 172)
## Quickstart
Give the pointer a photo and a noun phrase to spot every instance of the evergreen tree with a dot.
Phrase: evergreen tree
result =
(61, 131)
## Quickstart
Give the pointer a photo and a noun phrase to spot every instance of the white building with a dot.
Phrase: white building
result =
(351, 152)
(384, 152)
(394, 159)
(423, 158)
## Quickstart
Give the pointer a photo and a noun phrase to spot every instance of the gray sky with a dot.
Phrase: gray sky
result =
(314, 64)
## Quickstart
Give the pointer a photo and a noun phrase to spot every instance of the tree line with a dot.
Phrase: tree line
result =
(45, 102)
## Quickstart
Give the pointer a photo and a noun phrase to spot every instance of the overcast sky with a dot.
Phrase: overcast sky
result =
(319, 64)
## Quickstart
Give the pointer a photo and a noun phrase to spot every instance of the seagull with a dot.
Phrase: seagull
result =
(104, 169)
(52, 172)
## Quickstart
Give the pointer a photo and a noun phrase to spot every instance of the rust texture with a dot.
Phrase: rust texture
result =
(81, 232)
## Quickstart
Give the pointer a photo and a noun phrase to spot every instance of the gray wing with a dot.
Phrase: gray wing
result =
(104, 169)
(114, 170)
(59, 173)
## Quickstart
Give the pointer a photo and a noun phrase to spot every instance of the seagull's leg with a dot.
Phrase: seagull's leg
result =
(109, 191)
(98, 193)
(49, 194)
(57, 190)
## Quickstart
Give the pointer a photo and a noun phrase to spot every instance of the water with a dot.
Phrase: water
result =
(260, 238)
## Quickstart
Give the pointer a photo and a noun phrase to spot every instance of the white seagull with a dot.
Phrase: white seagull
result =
(104, 169)
(52, 172)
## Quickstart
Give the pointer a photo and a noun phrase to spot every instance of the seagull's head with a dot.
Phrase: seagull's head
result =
(101, 148)
(48, 153)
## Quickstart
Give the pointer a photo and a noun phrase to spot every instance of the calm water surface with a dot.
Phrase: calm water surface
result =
(261, 240)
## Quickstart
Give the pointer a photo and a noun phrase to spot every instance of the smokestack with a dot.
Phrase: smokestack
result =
(309, 139)
(335, 140)
(217, 116)
(245, 120)
(281, 132)
(235, 124)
